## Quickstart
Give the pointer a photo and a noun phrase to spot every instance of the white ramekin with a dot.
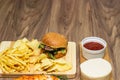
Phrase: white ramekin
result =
(89, 54)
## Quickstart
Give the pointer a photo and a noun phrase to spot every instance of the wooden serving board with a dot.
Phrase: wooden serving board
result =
(70, 57)
(106, 57)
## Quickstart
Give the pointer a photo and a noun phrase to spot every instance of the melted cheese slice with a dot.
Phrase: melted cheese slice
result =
(96, 69)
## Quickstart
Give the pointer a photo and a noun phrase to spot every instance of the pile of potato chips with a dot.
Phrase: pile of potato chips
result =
(24, 56)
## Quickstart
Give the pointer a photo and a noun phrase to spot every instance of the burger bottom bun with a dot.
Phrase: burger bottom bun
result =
(59, 55)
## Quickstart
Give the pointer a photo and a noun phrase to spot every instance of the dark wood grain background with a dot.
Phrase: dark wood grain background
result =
(76, 19)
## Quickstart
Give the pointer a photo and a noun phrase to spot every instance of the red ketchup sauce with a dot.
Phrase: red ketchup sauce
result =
(93, 46)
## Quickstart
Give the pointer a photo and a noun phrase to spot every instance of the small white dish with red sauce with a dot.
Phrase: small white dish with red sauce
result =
(93, 47)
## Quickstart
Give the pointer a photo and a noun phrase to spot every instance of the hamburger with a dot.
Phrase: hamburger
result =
(54, 45)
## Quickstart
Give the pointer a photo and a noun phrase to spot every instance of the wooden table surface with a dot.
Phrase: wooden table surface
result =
(76, 19)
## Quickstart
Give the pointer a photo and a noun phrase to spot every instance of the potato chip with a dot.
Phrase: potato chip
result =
(60, 67)
(46, 63)
(33, 44)
(59, 61)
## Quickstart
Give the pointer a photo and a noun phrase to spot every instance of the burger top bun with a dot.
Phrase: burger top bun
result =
(54, 40)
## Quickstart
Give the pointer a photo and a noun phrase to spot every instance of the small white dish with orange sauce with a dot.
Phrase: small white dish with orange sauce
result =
(93, 47)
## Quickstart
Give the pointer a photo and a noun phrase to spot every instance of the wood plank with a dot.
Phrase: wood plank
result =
(69, 57)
